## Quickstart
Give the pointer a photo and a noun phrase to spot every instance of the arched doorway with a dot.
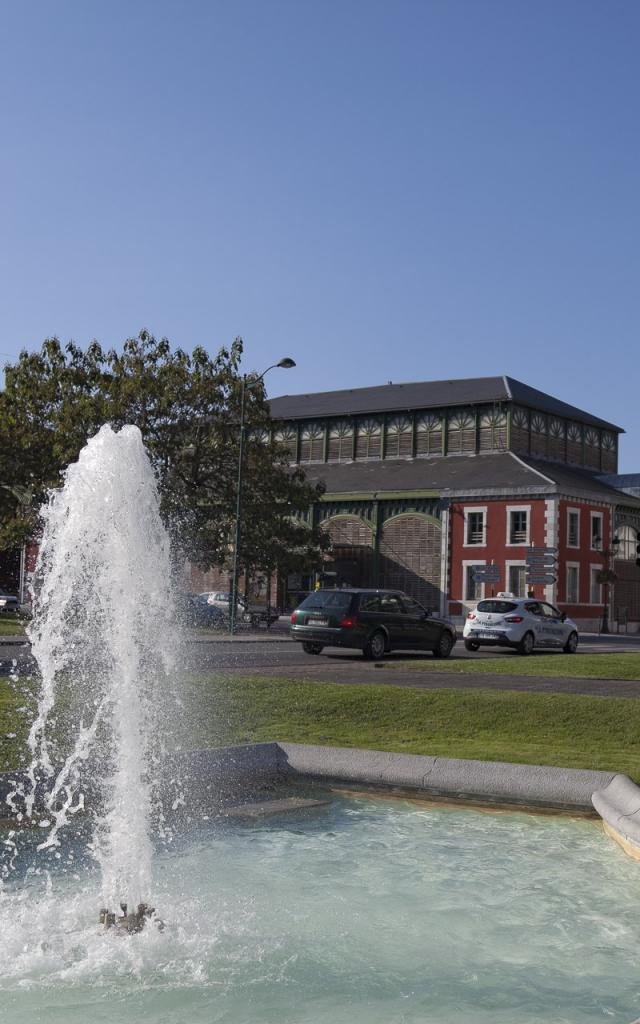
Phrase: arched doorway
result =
(351, 557)
(410, 553)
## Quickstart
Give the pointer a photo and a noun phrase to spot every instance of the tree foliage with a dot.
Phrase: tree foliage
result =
(187, 407)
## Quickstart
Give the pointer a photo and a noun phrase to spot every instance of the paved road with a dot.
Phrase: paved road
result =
(277, 656)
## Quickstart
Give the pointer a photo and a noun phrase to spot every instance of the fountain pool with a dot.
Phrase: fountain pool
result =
(368, 910)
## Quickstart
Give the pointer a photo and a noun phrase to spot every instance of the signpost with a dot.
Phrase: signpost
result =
(487, 574)
(541, 565)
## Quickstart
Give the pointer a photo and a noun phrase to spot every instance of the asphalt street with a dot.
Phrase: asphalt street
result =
(275, 655)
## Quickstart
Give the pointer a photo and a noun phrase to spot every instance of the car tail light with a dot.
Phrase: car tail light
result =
(349, 622)
(293, 617)
(471, 615)
(513, 618)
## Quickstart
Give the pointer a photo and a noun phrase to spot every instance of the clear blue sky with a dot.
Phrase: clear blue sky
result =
(399, 190)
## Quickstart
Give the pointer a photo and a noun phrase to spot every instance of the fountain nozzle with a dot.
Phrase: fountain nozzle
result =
(133, 922)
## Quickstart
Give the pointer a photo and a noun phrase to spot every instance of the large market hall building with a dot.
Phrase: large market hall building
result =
(425, 481)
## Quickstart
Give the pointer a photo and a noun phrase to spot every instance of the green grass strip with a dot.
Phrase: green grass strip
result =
(536, 728)
(573, 666)
(10, 626)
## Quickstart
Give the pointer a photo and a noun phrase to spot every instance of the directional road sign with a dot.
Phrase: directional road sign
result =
(542, 578)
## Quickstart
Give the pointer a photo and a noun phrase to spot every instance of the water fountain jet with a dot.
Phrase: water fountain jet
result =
(103, 635)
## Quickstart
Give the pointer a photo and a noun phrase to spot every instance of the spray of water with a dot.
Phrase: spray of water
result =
(104, 638)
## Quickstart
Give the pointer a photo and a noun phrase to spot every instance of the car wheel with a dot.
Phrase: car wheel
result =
(571, 645)
(471, 645)
(444, 646)
(311, 648)
(375, 646)
(526, 644)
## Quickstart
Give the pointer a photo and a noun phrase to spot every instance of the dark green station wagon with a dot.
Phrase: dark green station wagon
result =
(375, 621)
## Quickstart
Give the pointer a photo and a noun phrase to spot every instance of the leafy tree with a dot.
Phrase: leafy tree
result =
(188, 409)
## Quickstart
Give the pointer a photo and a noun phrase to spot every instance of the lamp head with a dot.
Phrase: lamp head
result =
(286, 363)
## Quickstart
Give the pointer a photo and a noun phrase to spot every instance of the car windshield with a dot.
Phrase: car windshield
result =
(331, 599)
(501, 607)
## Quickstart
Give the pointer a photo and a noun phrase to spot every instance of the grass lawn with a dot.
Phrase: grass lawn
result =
(576, 666)
(10, 626)
(536, 728)
(565, 730)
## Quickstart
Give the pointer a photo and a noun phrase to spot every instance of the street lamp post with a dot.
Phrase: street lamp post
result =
(246, 385)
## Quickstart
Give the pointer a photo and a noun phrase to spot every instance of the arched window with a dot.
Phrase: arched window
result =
(626, 549)
(340, 446)
(429, 434)
(368, 439)
(399, 438)
(312, 443)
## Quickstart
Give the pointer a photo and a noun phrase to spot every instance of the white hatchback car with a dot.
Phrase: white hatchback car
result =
(521, 623)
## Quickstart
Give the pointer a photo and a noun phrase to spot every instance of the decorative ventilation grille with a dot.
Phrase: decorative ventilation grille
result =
(521, 418)
(289, 439)
(368, 439)
(609, 459)
(429, 435)
(538, 434)
(574, 444)
(493, 431)
(340, 446)
(520, 430)
(556, 439)
(461, 432)
(312, 443)
(399, 439)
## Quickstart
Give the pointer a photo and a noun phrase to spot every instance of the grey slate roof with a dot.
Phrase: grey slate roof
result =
(572, 480)
(628, 482)
(426, 395)
(464, 475)
(456, 472)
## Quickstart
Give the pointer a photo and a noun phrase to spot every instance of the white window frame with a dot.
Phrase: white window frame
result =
(600, 516)
(465, 566)
(592, 568)
(467, 509)
(573, 511)
(576, 566)
(521, 564)
(520, 543)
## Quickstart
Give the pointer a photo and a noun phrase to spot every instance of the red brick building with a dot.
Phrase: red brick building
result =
(425, 480)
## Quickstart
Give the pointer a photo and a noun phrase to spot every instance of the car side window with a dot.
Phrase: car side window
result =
(390, 604)
(412, 607)
(550, 612)
(370, 603)
(533, 608)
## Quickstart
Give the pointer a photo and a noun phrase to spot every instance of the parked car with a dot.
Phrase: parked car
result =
(9, 603)
(375, 621)
(245, 612)
(520, 623)
(195, 612)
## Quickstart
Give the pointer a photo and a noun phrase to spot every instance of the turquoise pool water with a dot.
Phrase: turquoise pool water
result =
(376, 911)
